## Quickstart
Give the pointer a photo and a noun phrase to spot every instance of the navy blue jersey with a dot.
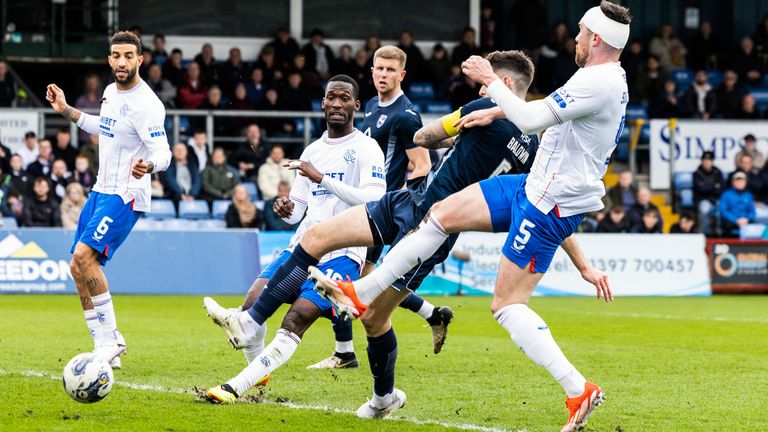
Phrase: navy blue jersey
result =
(477, 154)
(393, 127)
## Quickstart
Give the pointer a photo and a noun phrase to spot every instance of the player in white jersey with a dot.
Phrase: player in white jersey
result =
(132, 144)
(344, 168)
(583, 121)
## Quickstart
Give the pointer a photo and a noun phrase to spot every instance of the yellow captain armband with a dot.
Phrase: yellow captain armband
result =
(448, 122)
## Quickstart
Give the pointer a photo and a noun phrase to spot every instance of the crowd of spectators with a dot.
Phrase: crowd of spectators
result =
(43, 185)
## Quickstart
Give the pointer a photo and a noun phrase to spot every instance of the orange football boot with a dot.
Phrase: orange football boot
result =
(580, 407)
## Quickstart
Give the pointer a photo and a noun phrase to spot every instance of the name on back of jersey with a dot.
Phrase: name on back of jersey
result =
(519, 150)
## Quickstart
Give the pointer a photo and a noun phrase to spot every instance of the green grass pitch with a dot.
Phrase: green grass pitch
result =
(666, 364)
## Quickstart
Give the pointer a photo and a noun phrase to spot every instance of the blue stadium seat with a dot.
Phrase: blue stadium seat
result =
(636, 111)
(421, 91)
(197, 209)
(753, 231)
(683, 180)
(259, 205)
(148, 224)
(317, 105)
(211, 224)
(682, 77)
(220, 208)
(162, 209)
(715, 77)
(761, 97)
(8, 223)
(686, 198)
(761, 214)
(253, 192)
(437, 107)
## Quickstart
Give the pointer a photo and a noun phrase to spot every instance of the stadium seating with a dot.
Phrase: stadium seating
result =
(753, 231)
(219, 209)
(683, 180)
(686, 198)
(421, 91)
(715, 77)
(682, 78)
(211, 224)
(8, 223)
(259, 205)
(761, 97)
(253, 192)
(197, 209)
(433, 107)
(162, 209)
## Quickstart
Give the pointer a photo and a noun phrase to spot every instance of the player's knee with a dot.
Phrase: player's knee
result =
(438, 213)
(372, 322)
(313, 240)
(295, 323)
(80, 262)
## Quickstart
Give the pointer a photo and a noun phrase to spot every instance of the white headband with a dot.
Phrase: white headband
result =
(613, 33)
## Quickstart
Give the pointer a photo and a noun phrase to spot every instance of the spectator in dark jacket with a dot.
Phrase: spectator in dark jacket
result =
(207, 63)
(417, 67)
(41, 210)
(256, 86)
(59, 178)
(63, 149)
(318, 54)
(284, 47)
(623, 194)
(698, 101)
(232, 72)
(737, 206)
(667, 104)
(651, 222)
(468, 47)
(705, 49)
(747, 64)
(219, 179)
(345, 62)
(727, 97)
(19, 178)
(273, 222)
(707, 187)
(7, 86)
(650, 79)
(182, 176)
(42, 166)
(173, 69)
(748, 109)
(5, 158)
(615, 222)
(686, 225)
(637, 212)
(242, 213)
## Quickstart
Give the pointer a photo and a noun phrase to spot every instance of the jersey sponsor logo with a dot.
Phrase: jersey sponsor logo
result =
(562, 97)
(349, 156)
(335, 175)
(368, 114)
(381, 120)
(106, 121)
(156, 131)
(377, 172)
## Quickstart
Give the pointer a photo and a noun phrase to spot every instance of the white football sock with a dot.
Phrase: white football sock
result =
(531, 334)
(251, 328)
(344, 347)
(274, 355)
(381, 401)
(257, 346)
(105, 311)
(94, 326)
(407, 254)
(426, 310)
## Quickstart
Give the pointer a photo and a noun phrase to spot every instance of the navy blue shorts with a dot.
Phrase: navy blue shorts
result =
(104, 224)
(395, 215)
(341, 268)
(533, 236)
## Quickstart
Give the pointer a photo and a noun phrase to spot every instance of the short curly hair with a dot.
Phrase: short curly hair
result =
(125, 37)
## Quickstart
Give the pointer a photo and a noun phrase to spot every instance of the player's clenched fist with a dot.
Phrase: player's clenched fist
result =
(140, 168)
(283, 207)
(55, 96)
(478, 69)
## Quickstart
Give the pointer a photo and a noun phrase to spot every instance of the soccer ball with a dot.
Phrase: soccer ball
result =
(87, 378)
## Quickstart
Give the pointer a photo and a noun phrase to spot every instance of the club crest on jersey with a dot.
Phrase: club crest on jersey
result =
(124, 110)
(381, 120)
(349, 156)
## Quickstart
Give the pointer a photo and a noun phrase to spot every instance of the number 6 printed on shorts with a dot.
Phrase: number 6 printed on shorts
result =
(102, 228)
(519, 243)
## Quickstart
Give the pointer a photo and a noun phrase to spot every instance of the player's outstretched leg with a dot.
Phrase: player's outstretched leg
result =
(531, 334)
(343, 356)
(302, 314)
(438, 318)
(243, 332)
(97, 304)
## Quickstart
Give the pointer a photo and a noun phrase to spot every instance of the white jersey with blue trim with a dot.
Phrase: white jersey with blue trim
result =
(354, 159)
(130, 126)
(573, 155)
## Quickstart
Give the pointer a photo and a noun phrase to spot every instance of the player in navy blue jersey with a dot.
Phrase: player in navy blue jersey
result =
(475, 155)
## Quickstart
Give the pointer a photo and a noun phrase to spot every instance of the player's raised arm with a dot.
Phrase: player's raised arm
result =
(55, 96)
(436, 134)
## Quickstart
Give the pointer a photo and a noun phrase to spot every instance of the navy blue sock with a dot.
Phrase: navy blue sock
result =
(382, 355)
(342, 328)
(283, 285)
(412, 302)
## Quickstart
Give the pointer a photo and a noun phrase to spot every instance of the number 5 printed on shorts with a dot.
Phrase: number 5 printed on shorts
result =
(519, 243)
(102, 228)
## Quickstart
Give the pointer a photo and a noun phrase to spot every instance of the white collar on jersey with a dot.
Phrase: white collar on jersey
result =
(386, 104)
(338, 140)
(613, 33)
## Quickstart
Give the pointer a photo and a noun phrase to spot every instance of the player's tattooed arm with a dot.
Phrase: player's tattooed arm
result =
(433, 135)
(71, 114)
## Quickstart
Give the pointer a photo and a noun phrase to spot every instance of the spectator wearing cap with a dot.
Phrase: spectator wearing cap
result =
(754, 180)
(615, 222)
(272, 173)
(318, 55)
(750, 148)
(30, 151)
(637, 212)
(650, 223)
(707, 187)
(737, 205)
(273, 222)
(686, 225)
